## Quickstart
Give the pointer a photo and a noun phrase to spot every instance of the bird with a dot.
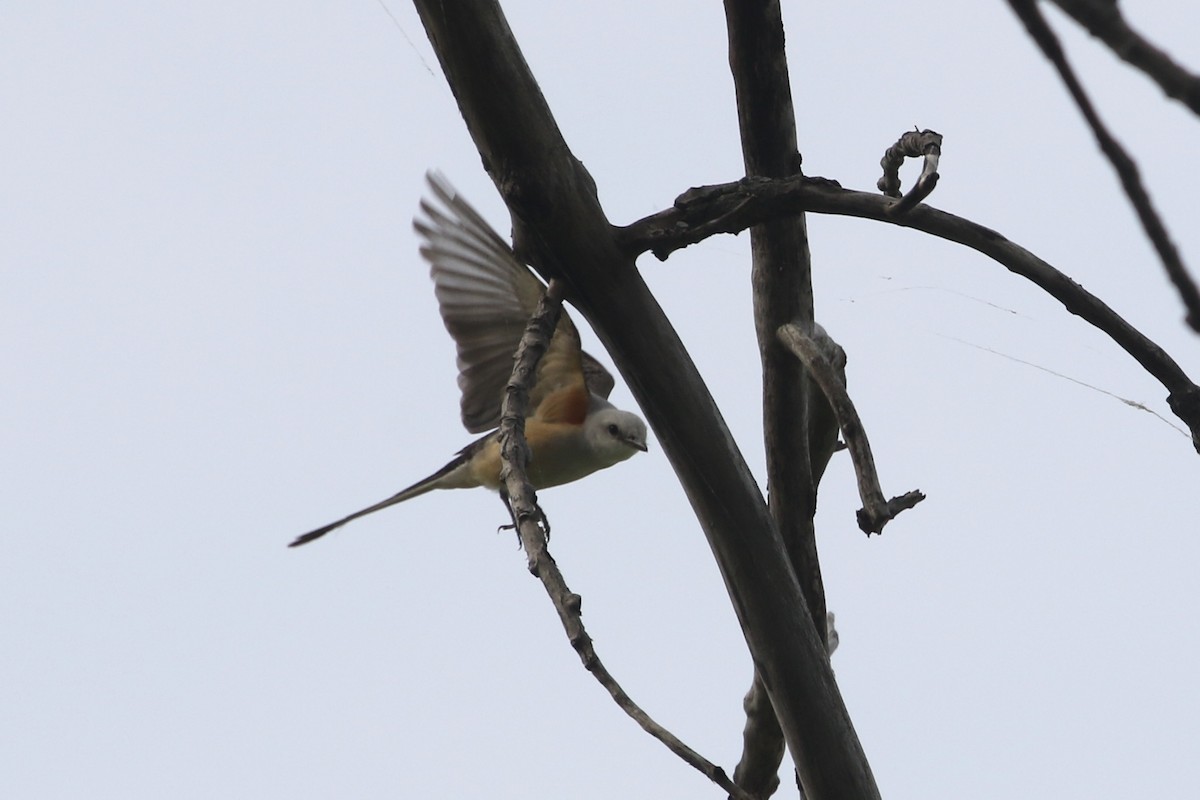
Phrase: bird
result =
(486, 297)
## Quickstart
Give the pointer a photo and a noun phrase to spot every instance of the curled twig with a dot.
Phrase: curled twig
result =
(815, 351)
(924, 144)
(529, 520)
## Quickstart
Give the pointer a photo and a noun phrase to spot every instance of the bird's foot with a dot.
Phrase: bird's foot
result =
(542, 520)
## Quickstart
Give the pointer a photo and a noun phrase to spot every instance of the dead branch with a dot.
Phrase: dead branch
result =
(1126, 169)
(813, 351)
(798, 429)
(755, 199)
(762, 740)
(1103, 19)
(517, 491)
(514, 455)
(762, 743)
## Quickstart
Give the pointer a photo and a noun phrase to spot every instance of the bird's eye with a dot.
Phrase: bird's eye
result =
(613, 430)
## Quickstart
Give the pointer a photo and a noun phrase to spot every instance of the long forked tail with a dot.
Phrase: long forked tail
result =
(455, 475)
(420, 488)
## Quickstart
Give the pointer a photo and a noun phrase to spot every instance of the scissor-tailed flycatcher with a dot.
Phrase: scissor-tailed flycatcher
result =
(486, 298)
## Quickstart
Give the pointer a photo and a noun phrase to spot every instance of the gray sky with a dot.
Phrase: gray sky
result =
(216, 334)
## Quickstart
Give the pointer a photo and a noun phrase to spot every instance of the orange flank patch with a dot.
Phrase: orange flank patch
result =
(566, 405)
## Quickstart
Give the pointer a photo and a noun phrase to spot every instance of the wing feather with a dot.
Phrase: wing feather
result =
(486, 297)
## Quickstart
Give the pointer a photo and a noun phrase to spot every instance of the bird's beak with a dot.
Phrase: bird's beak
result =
(636, 445)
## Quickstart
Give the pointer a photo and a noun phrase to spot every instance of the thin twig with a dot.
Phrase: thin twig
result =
(514, 450)
(529, 519)
(1126, 168)
(924, 144)
(876, 512)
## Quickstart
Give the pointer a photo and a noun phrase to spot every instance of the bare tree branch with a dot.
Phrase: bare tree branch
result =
(514, 455)
(798, 429)
(1103, 19)
(561, 229)
(813, 351)
(516, 490)
(762, 743)
(759, 763)
(744, 203)
(1126, 168)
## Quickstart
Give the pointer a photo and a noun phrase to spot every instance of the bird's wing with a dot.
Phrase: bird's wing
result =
(599, 380)
(486, 297)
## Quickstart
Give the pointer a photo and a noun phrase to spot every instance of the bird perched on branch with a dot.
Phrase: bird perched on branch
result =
(486, 297)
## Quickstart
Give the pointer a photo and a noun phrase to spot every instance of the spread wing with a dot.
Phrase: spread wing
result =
(486, 297)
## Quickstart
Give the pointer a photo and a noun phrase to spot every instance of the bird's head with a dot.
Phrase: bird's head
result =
(614, 435)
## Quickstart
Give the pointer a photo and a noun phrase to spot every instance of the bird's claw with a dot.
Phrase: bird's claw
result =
(542, 520)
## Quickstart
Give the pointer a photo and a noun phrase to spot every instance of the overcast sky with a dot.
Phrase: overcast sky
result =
(216, 334)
